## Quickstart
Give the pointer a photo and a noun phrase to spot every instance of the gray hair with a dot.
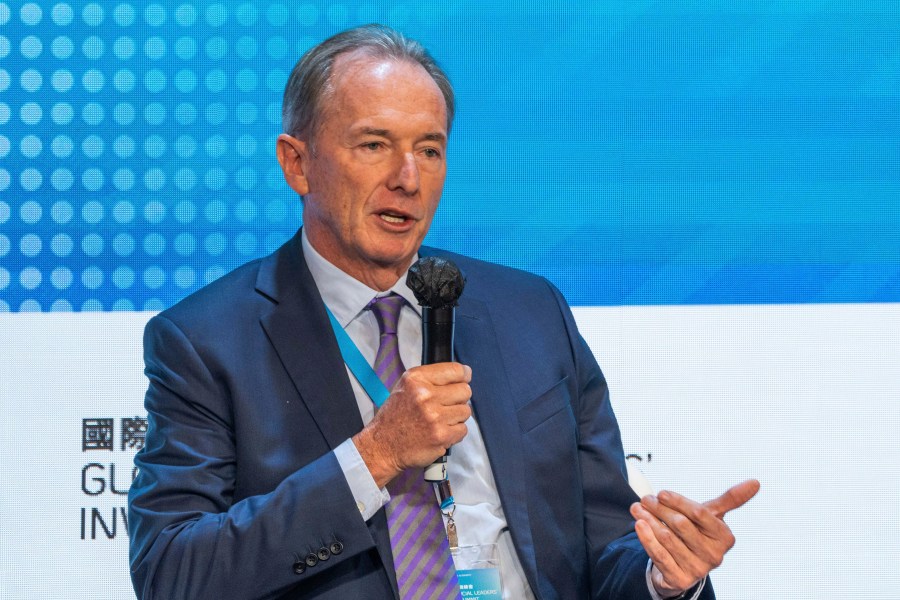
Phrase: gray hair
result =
(310, 80)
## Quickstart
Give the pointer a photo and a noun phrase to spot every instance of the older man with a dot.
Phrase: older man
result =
(268, 472)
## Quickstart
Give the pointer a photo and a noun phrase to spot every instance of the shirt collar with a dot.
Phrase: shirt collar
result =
(345, 296)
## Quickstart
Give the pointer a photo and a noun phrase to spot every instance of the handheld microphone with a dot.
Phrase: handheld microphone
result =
(437, 284)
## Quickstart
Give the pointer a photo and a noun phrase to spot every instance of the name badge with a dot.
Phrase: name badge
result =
(478, 571)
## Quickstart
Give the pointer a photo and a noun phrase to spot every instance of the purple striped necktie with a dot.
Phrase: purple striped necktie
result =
(422, 557)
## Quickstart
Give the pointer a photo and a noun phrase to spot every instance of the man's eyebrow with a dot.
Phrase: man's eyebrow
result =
(373, 131)
(432, 136)
(435, 136)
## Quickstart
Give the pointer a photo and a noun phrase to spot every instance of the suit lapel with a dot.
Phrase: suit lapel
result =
(298, 328)
(476, 344)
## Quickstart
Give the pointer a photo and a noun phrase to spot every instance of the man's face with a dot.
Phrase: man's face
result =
(373, 172)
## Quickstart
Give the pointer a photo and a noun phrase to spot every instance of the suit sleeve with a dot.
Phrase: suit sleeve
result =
(189, 537)
(616, 557)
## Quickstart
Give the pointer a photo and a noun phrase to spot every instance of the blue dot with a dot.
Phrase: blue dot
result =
(30, 306)
(92, 48)
(5, 212)
(62, 80)
(216, 146)
(62, 146)
(93, 80)
(62, 180)
(4, 281)
(185, 113)
(30, 146)
(4, 80)
(277, 15)
(123, 277)
(185, 146)
(123, 179)
(61, 278)
(216, 113)
(92, 113)
(273, 113)
(4, 113)
(155, 113)
(4, 179)
(246, 80)
(307, 14)
(30, 245)
(154, 146)
(185, 48)
(5, 46)
(123, 146)
(245, 178)
(123, 81)
(245, 211)
(185, 179)
(123, 305)
(184, 277)
(4, 13)
(154, 278)
(92, 15)
(275, 81)
(61, 305)
(62, 14)
(123, 113)
(92, 244)
(4, 146)
(92, 179)
(31, 47)
(246, 47)
(245, 243)
(123, 212)
(154, 212)
(62, 212)
(155, 15)
(216, 81)
(31, 113)
(30, 13)
(185, 211)
(155, 81)
(215, 244)
(62, 47)
(154, 179)
(184, 244)
(246, 15)
(61, 245)
(30, 278)
(277, 47)
(92, 212)
(154, 244)
(216, 15)
(31, 80)
(92, 146)
(5, 245)
(62, 113)
(30, 179)
(276, 211)
(185, 15)
(92, 305)
(123, 15)
(216, 48)
(245, 146)
(215, 179)
(215, 211)
(92, 278)
(123, 48)
(337, 14)
(185, 81)
(123, 244)
(155, 48)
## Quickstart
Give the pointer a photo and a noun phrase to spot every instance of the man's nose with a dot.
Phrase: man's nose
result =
(406, 176)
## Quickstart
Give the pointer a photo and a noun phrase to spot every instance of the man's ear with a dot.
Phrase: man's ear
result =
(293, 156)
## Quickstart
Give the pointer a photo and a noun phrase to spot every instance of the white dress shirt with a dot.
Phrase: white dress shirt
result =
(479, 515)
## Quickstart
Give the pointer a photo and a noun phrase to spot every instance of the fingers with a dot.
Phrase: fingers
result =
(733, 498)
(680, 564)
(442, 373)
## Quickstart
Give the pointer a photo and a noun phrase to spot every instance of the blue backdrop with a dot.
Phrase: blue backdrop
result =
(634, 153)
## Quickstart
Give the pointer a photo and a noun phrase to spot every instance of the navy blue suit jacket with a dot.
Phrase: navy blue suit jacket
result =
(248, 395)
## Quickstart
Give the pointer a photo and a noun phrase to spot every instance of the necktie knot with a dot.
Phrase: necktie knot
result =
(387, 312)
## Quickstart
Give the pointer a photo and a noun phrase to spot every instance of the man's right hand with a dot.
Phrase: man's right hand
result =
(424, 415)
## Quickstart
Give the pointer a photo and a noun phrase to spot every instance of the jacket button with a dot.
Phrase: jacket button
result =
(299, 567)
(311, 560)
(336, 548)
(323, 554)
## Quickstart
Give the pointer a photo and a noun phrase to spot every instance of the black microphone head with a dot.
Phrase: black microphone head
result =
(436, 282)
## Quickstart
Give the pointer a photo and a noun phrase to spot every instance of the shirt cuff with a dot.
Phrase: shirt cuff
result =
(691, 594)
(369, 497)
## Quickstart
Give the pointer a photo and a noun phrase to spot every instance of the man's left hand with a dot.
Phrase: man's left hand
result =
(685, 539)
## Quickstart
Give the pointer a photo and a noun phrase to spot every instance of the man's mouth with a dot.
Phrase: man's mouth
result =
(393, 217)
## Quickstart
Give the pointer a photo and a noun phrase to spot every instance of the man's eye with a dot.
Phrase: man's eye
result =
(372, 146)
(432, 153)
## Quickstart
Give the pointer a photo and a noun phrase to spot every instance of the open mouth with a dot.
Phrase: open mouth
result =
(392, 217)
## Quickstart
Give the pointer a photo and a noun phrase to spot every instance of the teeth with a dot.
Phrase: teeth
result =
(392, 218)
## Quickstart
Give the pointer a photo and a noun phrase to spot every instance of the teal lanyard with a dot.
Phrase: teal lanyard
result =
(358, 365)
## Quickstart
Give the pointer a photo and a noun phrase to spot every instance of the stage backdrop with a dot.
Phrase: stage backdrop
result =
(714, 186)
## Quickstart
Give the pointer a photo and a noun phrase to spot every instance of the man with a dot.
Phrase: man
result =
(268, 473)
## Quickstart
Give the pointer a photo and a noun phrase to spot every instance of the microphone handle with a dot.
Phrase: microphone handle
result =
(437, 346)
